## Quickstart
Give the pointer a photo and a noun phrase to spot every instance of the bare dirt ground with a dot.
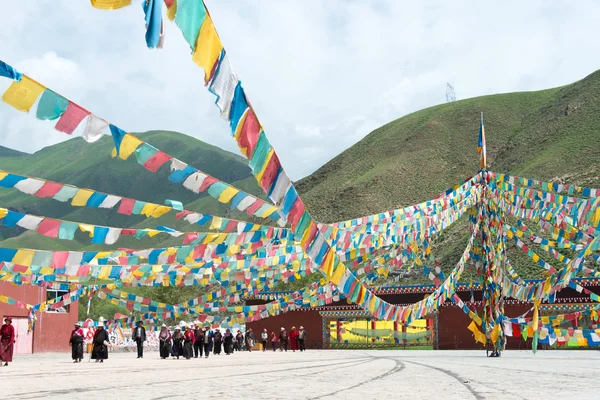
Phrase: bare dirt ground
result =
(331, 374)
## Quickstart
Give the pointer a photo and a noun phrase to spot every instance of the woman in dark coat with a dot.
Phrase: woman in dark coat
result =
(177, 349)
(164, 338)
(76, 342)
(228, 342)
(100, 341)
(218, 341)
(239, 338)
(188, 343)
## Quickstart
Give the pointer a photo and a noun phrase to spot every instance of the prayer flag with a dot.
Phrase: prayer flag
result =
(23, 94)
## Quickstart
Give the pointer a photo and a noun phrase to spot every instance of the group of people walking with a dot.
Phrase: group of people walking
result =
(193, 341)
(189, 341)
(296, 339)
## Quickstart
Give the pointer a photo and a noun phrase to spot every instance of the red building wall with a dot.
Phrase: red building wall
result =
(453, 333)
(52, 330)
(311, 321)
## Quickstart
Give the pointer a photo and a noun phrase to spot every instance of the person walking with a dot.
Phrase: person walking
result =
(273, 341)
(76, 343)
(207, 341)
(228, 342)
(294, 339)
(218, 341)
(302, 339)
(249, 339)
(239, 337)
(7, 341)
(100, 342)
(177, 348)
(198, 340)
(283, 340)
(139, 337)
(264, 336)
(164, 342)
(188, 342)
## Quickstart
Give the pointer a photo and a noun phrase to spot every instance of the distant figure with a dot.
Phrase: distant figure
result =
(100, 342)
(177, 348)
(283, 340)
(264, 337)
(239, 338)
(249, 339)
(164, 338)
(207, 341)
(188, 342)
(198, 340)
(7, 341)
(76, 342)
(294, 339)
(218, 341)
(228, 342)
(302, 339)
(273, 341)
(139, 337)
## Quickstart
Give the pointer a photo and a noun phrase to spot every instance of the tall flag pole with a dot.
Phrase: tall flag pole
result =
(481, 146)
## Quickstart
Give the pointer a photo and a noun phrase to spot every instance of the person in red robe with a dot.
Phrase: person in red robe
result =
(7, 341)
(76, 342)
(294, 339)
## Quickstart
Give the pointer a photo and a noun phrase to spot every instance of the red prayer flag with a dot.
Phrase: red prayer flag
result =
(190, 237)
(59, 258)
(71, 118)
(270, 173)
(49, 227)
(209, 180)
(156, 161)
(249, 134)
(48, 190)
(126, 206)
(254, 207)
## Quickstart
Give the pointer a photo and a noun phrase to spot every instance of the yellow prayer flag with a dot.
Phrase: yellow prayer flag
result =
(23, 257)
(3, 212)
(81, 198)
(128, 145)
(268, 212)
(216, 223)
(160, 211)
(3, 175)
(208, 48)
(227, 194)
(148, 209)
(338, 274)
(23, 94)
(327, 266)
(46, 271)
(110, 4)
(89, 229)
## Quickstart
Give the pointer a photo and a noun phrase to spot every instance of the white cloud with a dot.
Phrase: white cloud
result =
(321, 74)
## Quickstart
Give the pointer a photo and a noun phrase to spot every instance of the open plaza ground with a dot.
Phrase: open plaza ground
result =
(332, 374)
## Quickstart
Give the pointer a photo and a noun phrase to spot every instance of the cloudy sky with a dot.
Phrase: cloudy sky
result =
(321, 74)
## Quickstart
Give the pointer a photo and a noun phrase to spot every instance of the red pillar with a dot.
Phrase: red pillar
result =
(373, 330)
(339, 331)
(403, 336)
(396, 340)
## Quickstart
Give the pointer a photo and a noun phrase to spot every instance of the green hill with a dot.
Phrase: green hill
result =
(91, 166)
(548, 134)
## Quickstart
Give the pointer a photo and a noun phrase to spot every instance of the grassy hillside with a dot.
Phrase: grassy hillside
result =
(551, 134)
(91, 166)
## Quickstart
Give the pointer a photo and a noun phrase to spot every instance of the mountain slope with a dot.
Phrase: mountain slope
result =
(545, 134)
(91, 166)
